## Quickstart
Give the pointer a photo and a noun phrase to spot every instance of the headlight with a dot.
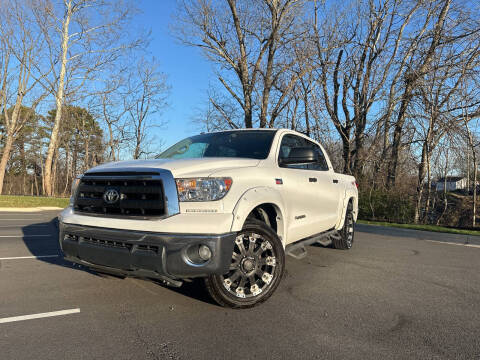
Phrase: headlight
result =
(203, 189)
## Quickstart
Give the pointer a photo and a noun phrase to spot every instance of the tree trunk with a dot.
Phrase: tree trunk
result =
(294, 116)
(358, 164)
(429, 190)
(138, 150)
(111, 142)
(307, 119)
(87, 153)
(68, 170)
(268, 81)
(75, 157)
(347, 157)
(11, 128)
(47, 177)
(248, 114)
(7, 149)
(445, 201)
(24, 167)
(54, 173)
(397, 137)
(36, 183)
(420, 182)
(474, 189)
(468, 170)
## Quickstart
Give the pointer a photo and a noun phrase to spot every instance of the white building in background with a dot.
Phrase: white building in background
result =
(453, 183)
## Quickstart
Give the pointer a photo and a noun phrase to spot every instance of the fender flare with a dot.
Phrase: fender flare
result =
(255, 197)
(349, 195)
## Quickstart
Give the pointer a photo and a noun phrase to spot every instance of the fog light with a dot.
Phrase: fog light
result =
(204, 252)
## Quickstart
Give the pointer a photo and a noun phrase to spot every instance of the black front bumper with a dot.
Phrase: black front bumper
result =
(145, 254)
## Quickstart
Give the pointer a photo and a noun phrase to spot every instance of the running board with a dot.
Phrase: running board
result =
(298, 251)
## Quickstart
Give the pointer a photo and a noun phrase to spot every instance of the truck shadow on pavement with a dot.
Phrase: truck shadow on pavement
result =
(41, 240)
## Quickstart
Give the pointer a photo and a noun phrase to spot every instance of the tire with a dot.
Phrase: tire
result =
(343, 240)
(256, 269)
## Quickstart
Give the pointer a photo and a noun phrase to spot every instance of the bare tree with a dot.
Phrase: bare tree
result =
(440, 93)
(109, 104)
(356, 50)
(147, 91)
(90, 34)
(411, 77)
(21, 42)
(247, 41)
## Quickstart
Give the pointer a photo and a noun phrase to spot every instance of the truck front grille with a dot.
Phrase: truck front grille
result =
(120, 195)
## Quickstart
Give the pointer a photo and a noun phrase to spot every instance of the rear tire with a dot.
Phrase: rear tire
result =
(258, 262)
(343, 240)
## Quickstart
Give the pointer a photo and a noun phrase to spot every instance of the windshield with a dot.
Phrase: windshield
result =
(254, 144)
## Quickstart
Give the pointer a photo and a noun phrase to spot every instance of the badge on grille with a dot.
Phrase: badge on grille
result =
(111, 196)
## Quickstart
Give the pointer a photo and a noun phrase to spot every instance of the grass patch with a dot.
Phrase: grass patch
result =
(32, 201)
(434, 228)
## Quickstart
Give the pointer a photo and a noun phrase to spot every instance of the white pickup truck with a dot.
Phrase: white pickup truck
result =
(225, 206)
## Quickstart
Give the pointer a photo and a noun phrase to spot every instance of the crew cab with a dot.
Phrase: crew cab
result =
(224, 206)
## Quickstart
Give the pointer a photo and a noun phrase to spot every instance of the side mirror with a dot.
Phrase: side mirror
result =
(301, 155)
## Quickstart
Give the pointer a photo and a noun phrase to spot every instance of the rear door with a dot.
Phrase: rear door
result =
(328, 190)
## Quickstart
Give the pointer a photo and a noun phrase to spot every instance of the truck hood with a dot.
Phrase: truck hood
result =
(180, 167)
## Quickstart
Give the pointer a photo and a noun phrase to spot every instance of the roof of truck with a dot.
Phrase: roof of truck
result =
(243, 129)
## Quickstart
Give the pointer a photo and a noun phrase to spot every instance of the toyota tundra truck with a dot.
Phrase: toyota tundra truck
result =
(224, 206)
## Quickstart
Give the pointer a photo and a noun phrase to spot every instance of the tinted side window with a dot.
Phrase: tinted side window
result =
(292, 141)
(288, 143)
(321, 163)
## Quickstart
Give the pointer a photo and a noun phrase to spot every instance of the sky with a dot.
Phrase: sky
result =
(187, 70)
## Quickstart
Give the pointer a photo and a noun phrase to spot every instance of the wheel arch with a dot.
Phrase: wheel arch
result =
(349, 199)
(257, 201)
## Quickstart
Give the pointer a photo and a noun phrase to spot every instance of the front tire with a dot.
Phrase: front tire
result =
(257, 266)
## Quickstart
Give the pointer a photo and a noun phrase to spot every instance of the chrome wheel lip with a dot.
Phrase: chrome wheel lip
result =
(244, 283)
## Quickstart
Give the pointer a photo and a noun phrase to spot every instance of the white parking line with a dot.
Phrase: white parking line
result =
(28, 257)
(453, 243)
(32, 225)
(21, 219)
(38, 316)
(22, 236)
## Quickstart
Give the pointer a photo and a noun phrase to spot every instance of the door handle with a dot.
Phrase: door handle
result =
(312, 179)
(335, 181)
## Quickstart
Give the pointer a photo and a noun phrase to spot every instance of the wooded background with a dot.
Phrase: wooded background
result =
(389, 87)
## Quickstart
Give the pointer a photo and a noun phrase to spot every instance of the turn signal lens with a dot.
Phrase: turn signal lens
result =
(203, 189)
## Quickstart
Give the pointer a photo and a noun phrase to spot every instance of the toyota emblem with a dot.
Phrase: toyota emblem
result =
(111, 196)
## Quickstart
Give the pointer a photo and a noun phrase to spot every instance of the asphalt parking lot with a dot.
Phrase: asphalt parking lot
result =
(397, 294)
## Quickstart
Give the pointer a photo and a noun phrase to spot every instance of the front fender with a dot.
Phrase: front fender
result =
(255, 197)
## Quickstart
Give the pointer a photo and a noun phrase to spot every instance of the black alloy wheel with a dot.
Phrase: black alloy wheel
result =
(255, 271)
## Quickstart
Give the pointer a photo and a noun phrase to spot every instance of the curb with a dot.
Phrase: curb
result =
(462, 239)
(29, 209)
